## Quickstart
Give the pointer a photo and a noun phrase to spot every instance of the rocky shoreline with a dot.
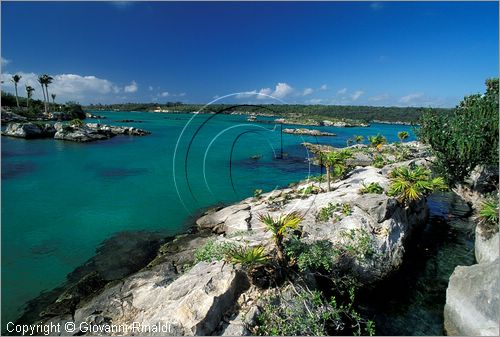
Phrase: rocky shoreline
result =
(203, 298)
(81, 133)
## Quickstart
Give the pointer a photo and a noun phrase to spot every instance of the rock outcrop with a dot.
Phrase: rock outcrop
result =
(29, 130)
(93, 131)
(472, 297)
(308, 132)
(192, 304)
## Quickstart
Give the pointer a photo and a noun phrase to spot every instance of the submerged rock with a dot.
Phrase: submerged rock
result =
(29, 130)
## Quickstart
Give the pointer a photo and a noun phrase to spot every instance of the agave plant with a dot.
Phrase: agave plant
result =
(278, 226)
(410, 184)
(248, 257)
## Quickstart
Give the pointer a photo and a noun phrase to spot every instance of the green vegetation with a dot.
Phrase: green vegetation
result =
(213, 251)
(257, 193)
(279, 226)
(466, 138)
(328, 212)
(488, 217)
(308, 313)
(403, 135)
(248, 257)
(360, 113)
(377, 141)
(76, 122)
(316, 256)
(335, 161)
(307, 191)
(371, 188)
(410, 184)
(358, 243)
(379, 161)
(15, 79)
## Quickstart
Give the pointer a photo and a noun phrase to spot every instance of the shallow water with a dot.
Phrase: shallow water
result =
(412, 301)
(60, 199)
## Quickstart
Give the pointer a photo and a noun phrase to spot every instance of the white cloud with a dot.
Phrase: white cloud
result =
(357, 95)
(342, 91)
(307, 91)
(4, 62)
(150, 88)
(323, 87)
(164, 94)
(282, 90)
(67, 87)
(182, 94)
(131, 88)
(411, 98)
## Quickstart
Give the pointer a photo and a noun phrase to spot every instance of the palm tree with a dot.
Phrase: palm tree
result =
(358, 139)
(279, 226)
(41, 80)
(29, 94)
(377, 141)
(16, 78)
(402, 135)
(334, 161)
(47, 80)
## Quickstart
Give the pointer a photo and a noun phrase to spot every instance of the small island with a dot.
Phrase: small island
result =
(308, 132)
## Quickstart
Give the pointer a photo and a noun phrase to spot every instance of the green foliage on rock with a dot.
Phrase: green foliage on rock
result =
(316, 256)
(488, 217)
(213, 251)
(76, 122)
(248, 257)
(302, 312)
(373, 187)
(409, 184)
(465, 139)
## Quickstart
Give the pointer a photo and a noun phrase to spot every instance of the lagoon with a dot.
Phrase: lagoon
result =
(60, 199)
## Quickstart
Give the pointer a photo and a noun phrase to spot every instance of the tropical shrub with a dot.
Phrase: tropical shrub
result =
(358, 243)
(248, 257)
(257, 193)
(402, 135)
(488, 217)
(278, 226)
(379, 161)
(465, 139)
(301, 312)
(316, 256)
(410, 184)
(373, 187)
(213, 251)
(76, 122)
(377, 141)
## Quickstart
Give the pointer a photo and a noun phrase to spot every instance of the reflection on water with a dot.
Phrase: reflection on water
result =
(411, 302)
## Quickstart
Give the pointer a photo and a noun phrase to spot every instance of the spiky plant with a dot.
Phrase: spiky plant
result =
(248, 257)
(403, 135)
(488, 217)
(410, 184)
(371, 188)
(377, 141)
(279, 226)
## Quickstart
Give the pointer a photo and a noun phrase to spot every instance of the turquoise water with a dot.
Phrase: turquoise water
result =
(60, 199)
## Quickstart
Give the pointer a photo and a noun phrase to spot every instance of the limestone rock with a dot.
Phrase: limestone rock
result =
(472, 301)
(29, 130)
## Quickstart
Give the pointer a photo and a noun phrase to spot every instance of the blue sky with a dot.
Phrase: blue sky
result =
(367, 53)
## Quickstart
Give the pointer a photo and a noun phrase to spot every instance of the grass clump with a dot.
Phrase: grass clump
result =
(213, 251)
(333, 211)
(488, 217)
(373, 187)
